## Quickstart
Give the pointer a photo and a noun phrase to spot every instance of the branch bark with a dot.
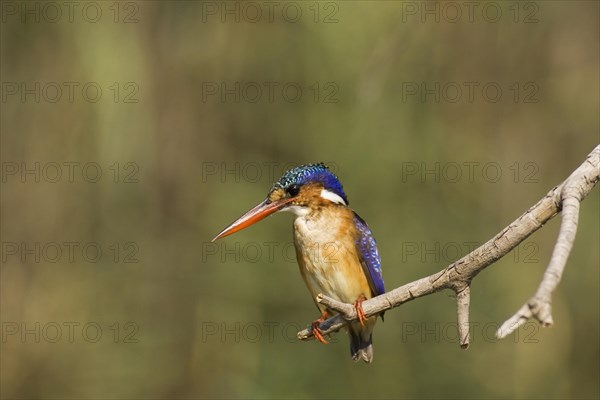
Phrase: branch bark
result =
(458, 276)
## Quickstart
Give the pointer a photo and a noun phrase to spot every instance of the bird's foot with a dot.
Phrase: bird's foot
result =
(315, 328)
(359, 310)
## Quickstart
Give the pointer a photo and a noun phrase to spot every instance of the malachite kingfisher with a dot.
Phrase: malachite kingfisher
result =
(335, 249)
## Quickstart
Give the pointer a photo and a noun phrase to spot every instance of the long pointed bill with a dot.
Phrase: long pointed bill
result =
(258, 213)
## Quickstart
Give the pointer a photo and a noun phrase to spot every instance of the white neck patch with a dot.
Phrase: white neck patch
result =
(328, 195)
(297, 210)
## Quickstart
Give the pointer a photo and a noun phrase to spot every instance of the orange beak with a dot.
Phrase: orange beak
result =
(260, 212)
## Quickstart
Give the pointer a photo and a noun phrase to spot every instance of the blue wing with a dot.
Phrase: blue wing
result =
(369, 256)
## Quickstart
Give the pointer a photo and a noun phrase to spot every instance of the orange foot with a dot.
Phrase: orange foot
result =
(359, 310)
(315, 328)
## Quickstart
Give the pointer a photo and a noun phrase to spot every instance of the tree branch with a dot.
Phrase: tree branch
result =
(458, 275)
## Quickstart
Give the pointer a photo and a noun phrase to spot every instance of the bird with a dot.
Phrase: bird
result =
(335, 249)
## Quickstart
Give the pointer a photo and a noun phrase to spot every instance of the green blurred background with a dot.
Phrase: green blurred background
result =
(163, 313)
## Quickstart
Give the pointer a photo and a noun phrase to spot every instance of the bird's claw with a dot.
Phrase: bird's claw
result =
(359, 310)
(317, 331)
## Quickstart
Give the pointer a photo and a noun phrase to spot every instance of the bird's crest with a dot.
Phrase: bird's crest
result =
(311, 173)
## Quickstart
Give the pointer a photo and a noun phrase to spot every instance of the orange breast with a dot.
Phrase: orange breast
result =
(327, 255)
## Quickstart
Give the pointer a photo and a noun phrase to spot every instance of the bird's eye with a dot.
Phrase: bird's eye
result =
(293, 190)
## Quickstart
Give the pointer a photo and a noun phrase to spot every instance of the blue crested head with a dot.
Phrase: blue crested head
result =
(311, 173)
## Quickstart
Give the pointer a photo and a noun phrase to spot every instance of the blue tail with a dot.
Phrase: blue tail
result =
(361, 344)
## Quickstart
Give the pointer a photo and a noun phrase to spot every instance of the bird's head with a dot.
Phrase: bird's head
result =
(299, 190)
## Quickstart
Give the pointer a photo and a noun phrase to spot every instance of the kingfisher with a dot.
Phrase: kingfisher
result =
(335, 249)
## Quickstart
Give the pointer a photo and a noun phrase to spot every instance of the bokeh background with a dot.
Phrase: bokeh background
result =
(171, 103)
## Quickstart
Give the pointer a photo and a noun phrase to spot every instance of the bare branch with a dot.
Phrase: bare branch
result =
(463, 299)
(575, 188)
(458, 275)
(345, 309)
